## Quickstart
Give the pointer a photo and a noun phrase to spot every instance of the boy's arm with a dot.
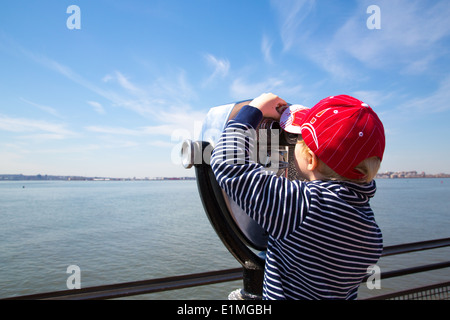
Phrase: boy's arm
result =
(276, 203)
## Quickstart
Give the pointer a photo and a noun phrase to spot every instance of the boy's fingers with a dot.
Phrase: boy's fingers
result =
(269, 104)
(281, 108)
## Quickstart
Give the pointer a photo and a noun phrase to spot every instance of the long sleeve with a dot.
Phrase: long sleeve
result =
(270, 200)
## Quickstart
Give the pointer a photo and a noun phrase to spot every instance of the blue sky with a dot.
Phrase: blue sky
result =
(116, 97)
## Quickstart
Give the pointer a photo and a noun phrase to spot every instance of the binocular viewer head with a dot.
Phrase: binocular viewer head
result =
(273, 143)
(275, 153)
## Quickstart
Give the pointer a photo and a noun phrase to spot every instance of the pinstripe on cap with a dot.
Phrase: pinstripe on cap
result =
(341, 130)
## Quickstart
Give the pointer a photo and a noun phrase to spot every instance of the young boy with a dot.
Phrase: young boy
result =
(323, 235)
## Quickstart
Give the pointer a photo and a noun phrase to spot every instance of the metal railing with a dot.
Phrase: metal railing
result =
(200, 279)
(438, 291)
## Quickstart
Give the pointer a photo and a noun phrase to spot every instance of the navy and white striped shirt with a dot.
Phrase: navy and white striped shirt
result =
(323, 235)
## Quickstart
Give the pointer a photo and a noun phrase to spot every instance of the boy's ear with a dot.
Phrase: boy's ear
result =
(313, 161)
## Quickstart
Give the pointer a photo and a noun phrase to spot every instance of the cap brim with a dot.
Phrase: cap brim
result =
(292, 118)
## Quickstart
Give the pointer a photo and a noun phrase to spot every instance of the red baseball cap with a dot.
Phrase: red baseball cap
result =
(341, 130)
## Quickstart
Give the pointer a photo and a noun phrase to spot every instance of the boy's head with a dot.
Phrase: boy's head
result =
(344, 133)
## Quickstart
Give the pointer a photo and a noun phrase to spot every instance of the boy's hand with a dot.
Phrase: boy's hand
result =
(270, 105)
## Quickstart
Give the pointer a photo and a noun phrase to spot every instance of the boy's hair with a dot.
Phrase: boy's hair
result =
(368, 167)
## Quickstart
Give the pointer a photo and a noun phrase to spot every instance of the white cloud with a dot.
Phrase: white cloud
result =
(142, 131)
(409, 35)
(410, 38)
(240, 89)
(160, 144)
(373, 98)
(291, 14)
(266, 48)
(67, 72)
(123, 81)
(166, 101)
(284, 86)
(435, 102)
(23, 125)
(150, 100)
(44, 108)
(174, 89)
(220, 67)
(112, 130)
(97, 107)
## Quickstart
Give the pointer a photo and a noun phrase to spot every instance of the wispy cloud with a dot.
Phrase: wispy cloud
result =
(219, 66)
(435, 102)
(143, 136)
(291, 15)
(152, 99)
(44, 129)
(44, 108)
(123, 81)
(67, 72)
(166, 100)
(171, 90)
(138, 132)
(266, 49)
(97, 107)
(410, 38)
(374, 98)
(283, 85)
(242, 89)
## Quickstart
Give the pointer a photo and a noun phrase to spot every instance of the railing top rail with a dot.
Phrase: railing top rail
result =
(198, 279)
(415, 246)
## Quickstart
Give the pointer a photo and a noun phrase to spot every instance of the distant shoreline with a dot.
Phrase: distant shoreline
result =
(39, 177)
(409, 175)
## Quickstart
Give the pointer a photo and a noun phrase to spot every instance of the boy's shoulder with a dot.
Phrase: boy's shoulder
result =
(352, 193)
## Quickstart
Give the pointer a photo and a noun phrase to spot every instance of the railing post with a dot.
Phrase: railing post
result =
(253, 284)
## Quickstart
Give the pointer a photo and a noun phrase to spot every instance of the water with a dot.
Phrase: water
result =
(121, 231)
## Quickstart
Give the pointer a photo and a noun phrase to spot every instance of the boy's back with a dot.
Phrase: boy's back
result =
(323, 236)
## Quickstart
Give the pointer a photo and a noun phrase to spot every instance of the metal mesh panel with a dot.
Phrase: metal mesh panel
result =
(434, 292)
(427, 294)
